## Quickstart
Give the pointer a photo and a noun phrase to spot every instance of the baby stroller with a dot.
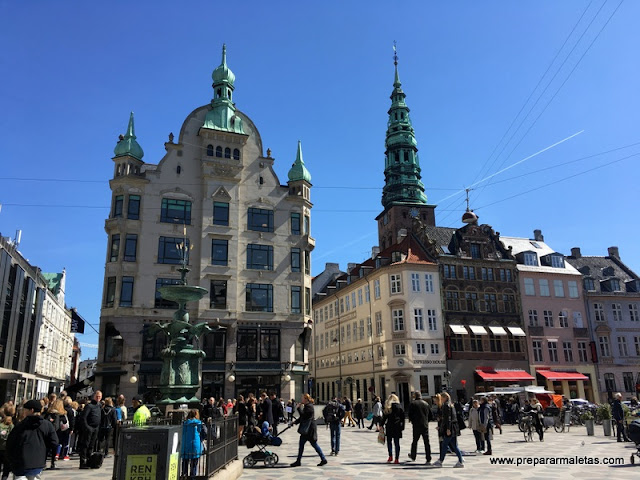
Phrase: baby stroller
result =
(634, 435)
(262, 440)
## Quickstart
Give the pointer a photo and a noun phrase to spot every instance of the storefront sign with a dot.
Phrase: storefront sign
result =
(142, 467)
(173, 466)
(428, 362)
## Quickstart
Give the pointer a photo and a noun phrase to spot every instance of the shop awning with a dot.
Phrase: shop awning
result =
(478, 330)
(558, 376)
(498, 330)
(517, 332)
(458, 330)
(503, 375)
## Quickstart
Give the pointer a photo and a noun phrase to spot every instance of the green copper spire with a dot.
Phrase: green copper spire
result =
(222, 115)
(298, 170)
(127, 145)
(402, 166)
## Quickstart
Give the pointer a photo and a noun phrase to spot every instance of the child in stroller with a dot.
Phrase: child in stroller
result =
(261, 439)
(634, 435)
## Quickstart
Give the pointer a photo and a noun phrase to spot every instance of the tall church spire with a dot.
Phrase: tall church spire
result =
(128, 145)
(403, 185)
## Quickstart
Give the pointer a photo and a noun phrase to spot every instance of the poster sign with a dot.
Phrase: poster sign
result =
(173, 466)
(77, 322)
(141, 467)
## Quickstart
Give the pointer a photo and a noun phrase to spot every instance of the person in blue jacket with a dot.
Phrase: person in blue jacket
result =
(193, 432)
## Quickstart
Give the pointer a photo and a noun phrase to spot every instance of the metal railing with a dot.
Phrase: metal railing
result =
(222, 444)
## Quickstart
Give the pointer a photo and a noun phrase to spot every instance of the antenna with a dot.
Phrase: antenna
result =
(18, 238)
(395, 53)
(467, 190)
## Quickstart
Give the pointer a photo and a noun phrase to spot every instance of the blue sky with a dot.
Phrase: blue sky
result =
(488, 83)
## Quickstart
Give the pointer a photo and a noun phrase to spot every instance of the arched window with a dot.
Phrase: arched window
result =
(236, 154)
(406, 156)
(227, 152)
(219, 151)
(209, 150)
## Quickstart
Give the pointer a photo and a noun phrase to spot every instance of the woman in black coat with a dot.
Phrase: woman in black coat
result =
(240, 408)
(358, 409)
(393, 420)
(308, 430)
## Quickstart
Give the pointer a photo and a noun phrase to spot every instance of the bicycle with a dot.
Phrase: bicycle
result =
(527, 427)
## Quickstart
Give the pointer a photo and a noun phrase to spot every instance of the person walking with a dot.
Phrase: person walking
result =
(67, 424)
(308, 430)
(54, 413)
(393, 419)
(358, 410)
(448, 430)
(108, 422)
(276, 412)
(474, 425)
(333, 414)
(28, 443)
(486, 424)
(617, 412)
(89, 421)
(377, 414)
(538, 418)
(348, 408)
(5, 430)
(240, 409)
(193, 432)
(419, 416)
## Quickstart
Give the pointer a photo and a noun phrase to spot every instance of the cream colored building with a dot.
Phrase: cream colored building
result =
(378, 328)
(250, 247)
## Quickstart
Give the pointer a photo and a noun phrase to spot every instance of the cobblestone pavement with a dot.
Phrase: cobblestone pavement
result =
(361, 456)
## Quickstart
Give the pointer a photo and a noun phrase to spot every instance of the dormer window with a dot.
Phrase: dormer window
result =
(557, 261)
(475, 250)
(610, 285)
(608, 272)
(589, 284)
(396, 257)
(530, 259)
(633, 286)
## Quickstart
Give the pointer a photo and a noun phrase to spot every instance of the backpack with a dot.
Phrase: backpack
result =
(333, 412)
(460, 418)
(105, 420)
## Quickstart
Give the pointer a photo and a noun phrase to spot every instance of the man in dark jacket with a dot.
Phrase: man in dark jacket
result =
(29, 442)
(266, 409)
(419, 416)
(276, 412)
(618, 416)
(89, 420)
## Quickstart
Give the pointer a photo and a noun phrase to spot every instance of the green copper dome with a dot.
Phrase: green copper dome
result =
(127, 145)
(223, 74)
(298, 170)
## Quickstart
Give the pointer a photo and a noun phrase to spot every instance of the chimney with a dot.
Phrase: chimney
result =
(613, 252)
(351, 266)
(537, 236)
(575, 252)
(375, 251)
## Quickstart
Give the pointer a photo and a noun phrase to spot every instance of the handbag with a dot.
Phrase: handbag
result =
(482, 428)
(305, 427)
(381, 438)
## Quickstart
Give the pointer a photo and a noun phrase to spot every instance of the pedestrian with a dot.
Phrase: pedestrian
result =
(618, 416)
(377, 414)
(89, 421)
(348, 407)
(141, 413)
(485, 418)
(291, 406)
(54, 413)
(208, 410)
(537, 417)
(333, 414)
(193, 432)
(240, 409)
(67, 423)
(5, 430)
(448, 430)
(308, 430)
(474, 425)
(276, 412)
(29, 442)
(121, 417)
(419, 415)
(393, 420)
(108, 422)
(266, 410)
(358, 410)
(252, 415)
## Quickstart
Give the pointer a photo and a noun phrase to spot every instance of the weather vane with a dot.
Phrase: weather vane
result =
(395, 53)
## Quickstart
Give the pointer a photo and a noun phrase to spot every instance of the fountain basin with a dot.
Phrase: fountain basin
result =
(182, 293)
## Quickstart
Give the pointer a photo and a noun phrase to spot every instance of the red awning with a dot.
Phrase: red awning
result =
(503, 375)
(551, 375)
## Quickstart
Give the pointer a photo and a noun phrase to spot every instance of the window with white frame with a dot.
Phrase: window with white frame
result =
(531, 259)
(347, 303)
(428, 282)
(353, 299)
(399, 349)
(544, 287)
(605, 351)
(616, 310)
(573, 289)
(418, 319)
(432, 320)
(622, 346)
(533, 318)
(582, 352)
(636, 343)
(435, 349)
(421, 348)
(367, 294)
(548, 318)
(563, 319)
(557, 261)
(396, 283)
(537, 350)
(398, 320)
(361, 329)
(376, 289)
(558, 288)
(598, 309)
(577, 319)
(348, 333)
(415, 282)
(369, 328)
(359, 296)
(567, 347)
(341, 306)
(355, 331)
(529, 288)
(378, 324)
(553, 351)
(633, 312)
(380, 351)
